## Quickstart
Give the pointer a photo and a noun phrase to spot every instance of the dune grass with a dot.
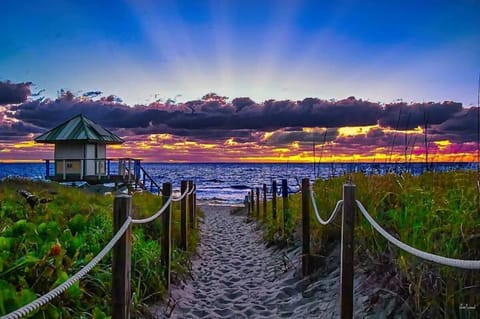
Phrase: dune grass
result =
(41, 246)
(434, 212)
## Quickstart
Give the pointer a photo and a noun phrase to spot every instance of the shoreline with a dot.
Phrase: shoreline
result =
(218, 203)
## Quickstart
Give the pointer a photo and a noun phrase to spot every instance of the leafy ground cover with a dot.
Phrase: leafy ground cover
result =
(434, 212)
(42, 244)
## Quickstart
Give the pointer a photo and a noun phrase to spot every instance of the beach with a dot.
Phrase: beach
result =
(235, 275)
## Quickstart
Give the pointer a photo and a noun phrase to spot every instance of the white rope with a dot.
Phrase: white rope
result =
(181, 197)
(192, 190)
(336, 210)
(458, 263)
(154, 216)
(37, 303)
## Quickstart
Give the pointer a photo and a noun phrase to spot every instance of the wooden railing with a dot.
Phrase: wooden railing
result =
(101, 170)
(122, 251)
(82, 167)
(253, 202)
(147, 182)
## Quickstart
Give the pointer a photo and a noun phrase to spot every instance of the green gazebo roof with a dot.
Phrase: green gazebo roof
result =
(79, 129)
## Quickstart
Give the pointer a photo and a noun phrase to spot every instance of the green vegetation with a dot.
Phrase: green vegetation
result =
(41, 246)
(434, 212)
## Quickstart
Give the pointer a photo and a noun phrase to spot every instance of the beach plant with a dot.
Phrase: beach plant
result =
(41, 247)
(436, 212)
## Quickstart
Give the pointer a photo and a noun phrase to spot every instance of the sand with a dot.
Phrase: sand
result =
(236, 276)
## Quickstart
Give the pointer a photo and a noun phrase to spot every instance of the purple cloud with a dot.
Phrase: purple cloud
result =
(14, 93)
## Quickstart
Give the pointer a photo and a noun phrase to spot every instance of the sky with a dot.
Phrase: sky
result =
(249, 81)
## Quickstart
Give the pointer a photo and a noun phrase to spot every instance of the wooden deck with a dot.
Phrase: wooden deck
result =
(128, 171)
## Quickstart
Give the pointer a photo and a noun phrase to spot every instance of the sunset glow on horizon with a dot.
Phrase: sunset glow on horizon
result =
(294, 81)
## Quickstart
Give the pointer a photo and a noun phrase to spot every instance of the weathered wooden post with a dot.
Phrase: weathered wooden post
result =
(305, 227)
(195, 206)
(129, 170)
(285, 205)
(191, 213)
(257, 191)
(47, 169)
(183, 217)
(252, 201)
(274, 200)
(121, 259)
(247, 202)
(264, 200)
(166, 234)
(346, 267)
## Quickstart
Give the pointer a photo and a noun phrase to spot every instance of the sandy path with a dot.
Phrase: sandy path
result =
(237, 276)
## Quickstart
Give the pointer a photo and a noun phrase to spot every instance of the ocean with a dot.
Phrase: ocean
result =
(230, 182)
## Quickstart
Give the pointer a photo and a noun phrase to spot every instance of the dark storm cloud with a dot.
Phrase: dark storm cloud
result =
(272, 115)
(14, 93)
(203, 114)
(213, 118)
(17, 131)
(107, 112)
(240, 102)
(461, 127)
(404, 116)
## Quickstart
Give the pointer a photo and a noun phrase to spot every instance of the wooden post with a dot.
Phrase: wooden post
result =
(97, 168)
(264, 200)
(120, 168)
(183, 217)
(274, 201)
(129, 170)
(248, 204)
(285, 204)
(257, 191)
(81, 168)
(252, 201)
(64, 170)
(166, 234)
(305, 227)
(47, 169)
(121, 259)
(346, 268)
(190, 206)
(195, 206)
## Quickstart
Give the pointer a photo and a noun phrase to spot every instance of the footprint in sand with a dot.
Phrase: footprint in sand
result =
(233, 277)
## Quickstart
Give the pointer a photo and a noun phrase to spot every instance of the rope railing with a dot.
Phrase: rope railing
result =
(161, 210)
(168, 199)
(37, 303)
(334, 213)
(154, 216)
(446, 261)
(349, 206)
(194, 189)
(185, 193)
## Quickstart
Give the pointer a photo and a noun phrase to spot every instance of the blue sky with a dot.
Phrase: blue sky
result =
(145, 50)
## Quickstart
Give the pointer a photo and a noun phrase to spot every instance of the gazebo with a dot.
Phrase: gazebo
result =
(80, 151)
